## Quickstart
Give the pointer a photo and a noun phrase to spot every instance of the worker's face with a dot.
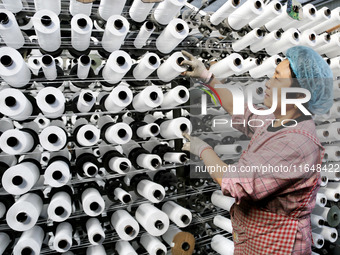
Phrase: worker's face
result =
(281, 79)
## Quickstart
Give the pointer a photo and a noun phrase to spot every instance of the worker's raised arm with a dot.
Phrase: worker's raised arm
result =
(199, 71)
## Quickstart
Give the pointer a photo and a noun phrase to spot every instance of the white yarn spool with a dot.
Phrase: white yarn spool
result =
(3, 210)
(250, 63)
(10, 31)
(266, 68)
(221, 201)
(222, 245)
(120, 165)
(115, 32)
(335, 66)
(13, 68)
(248, 11)
(173, 34)
(332, 153)
(252, 37)
(49, 67)
(153, 245)
(232, 64)
(107, 8)
(60, 207)
(125, 225)
(15, 105)
(96, 250)
(119, 98)
(30, 241)
(289, 38)
(51, 102)
(331, 22)
(92, 201)
(175, 157)
(47, 28)
(266, 41)
(308, 38)
(83, 67)
(119, 133)
(321, 199)
(317, 221)
(57, 174)
(149, 63)
(167, 10)
(90, 169)
(176, 96)
(318, 240)
(77, 7)
(152, 191)
(122, 195)
(15, 142)
(279, 21)
(171, 68)
(333, 44)
(321, 15)
(153, 220)
(331, 191)
(81, 29)
(88, 135)
(63, 237)
(20, 179)
(228, 149)
(5, 240)
(139, 10)
(24, 213)
(328, 132)
(181, 216)
(149, 98)
(223, 223)
(95, 231)
(149, 161)
(256, 91)
(148, 130)
(171, 129)
(329, 234)
(13, 5)
(270, 12)
(322, 40)
(52, 5)
(144, 33)
(124, 248)
(86, 100)
(224, 11)
(118, 64)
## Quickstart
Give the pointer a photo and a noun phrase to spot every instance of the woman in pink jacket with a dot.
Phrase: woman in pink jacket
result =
(272, 209)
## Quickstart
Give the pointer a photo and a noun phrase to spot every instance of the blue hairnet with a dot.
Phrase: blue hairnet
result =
(313, 73)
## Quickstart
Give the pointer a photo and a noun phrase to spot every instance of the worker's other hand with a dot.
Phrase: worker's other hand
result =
(198, 69)
(195, 145)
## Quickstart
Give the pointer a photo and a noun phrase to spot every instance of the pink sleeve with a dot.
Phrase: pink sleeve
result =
(240, 122)
(285, 151)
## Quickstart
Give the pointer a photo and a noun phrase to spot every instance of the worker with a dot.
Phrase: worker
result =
(272, 211)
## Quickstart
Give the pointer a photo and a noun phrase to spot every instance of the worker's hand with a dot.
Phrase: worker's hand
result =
(195, 145)
(198, 69)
